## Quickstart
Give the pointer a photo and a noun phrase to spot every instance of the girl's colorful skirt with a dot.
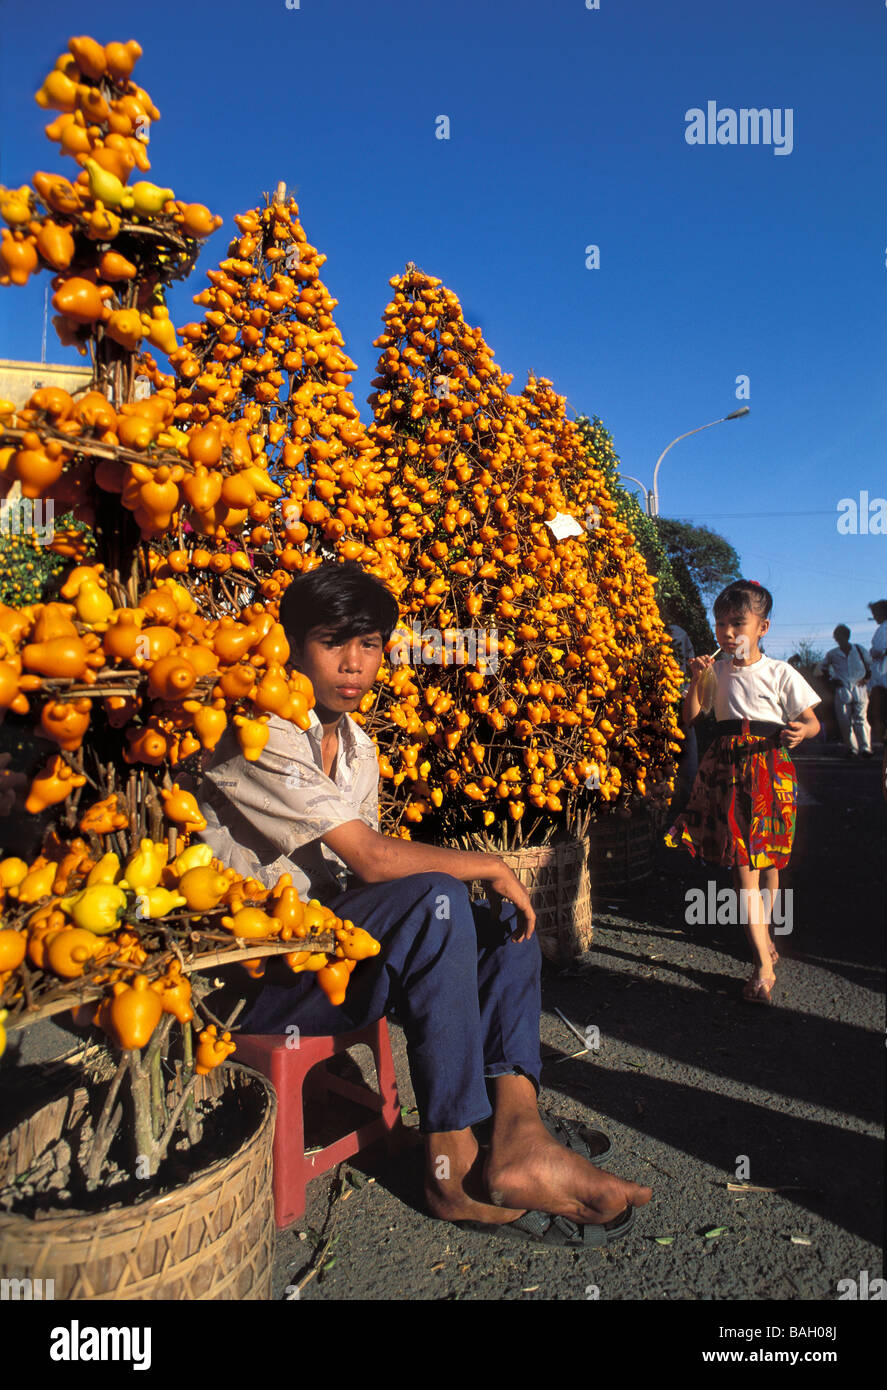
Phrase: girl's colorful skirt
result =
(743, 805)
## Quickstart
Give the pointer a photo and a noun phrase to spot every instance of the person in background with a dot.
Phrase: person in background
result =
(878, 690)
(847, 669)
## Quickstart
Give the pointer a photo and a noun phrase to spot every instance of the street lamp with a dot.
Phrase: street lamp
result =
(654, 496)
(644, 490)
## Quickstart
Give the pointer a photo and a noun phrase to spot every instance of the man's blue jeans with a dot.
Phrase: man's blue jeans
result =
(468, 998)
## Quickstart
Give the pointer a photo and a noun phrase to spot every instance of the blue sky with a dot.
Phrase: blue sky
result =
(567, 129)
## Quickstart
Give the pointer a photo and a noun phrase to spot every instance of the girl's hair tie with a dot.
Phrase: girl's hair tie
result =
(755, 582)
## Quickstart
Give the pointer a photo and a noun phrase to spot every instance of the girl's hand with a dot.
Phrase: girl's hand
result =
(698, 667)
(805, 726)
(793, 734)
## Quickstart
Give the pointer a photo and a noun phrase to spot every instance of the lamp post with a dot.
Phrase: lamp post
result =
(653, 497)
(643, 489)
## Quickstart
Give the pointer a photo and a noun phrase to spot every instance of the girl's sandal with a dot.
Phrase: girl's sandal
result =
(757, 992)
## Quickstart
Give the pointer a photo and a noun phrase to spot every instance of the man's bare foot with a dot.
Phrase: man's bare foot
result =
(527, 1167)
(454, 1186)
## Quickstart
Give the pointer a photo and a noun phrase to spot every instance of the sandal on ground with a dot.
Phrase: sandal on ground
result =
(756, 992)
(541, 1228)
(592, 1144)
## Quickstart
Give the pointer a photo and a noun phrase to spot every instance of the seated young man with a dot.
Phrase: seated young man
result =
(464, 980)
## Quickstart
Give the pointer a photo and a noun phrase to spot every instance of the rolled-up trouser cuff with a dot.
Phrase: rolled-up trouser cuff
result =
(500, 1069)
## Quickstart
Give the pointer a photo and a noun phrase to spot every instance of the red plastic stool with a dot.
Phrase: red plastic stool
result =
(286, 1067)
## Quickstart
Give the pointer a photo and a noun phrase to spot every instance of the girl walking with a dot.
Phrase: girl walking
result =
(741, 812)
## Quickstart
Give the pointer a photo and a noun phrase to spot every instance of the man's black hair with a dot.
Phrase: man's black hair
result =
(339, 596)
(842, 627)
(744, 596)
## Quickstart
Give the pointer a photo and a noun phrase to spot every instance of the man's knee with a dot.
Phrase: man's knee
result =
(446, 897)
(434, 904)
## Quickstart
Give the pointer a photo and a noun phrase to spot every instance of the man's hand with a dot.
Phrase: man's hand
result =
(505, 884)
(377, 858)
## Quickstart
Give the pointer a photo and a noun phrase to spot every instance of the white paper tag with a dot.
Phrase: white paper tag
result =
(563, 525)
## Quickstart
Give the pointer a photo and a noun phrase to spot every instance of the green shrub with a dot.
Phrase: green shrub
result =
(29, 570)
(678, 597)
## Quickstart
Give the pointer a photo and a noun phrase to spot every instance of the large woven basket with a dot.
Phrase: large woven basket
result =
(211, 1238)
(557, 880)
(621, 851)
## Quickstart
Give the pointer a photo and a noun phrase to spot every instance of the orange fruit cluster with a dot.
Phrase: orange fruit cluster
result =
(268, 364)
(537, 638)
(186, 676)
(638, 679)
(60, 933)
(84, 229)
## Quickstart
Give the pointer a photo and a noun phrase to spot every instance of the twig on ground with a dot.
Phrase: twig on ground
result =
(320, 1252)
(572, 1027)
(754, 1187)
(649, 1161)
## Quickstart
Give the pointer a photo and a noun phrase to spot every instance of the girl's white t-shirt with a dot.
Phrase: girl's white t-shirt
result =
(768, 689)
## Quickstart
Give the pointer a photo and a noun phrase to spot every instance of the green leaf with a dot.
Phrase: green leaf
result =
(329, 1264)
(716, 1231)
(663, 1240)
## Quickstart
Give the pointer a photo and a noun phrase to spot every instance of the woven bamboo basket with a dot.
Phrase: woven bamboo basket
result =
(621, 851)
(557, 880)
(210, 1238)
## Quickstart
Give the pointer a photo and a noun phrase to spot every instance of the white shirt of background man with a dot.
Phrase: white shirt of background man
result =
(846, 667)
(683, 647)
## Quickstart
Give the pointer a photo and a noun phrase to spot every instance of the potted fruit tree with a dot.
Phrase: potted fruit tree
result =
(531, 687)
(117, 685)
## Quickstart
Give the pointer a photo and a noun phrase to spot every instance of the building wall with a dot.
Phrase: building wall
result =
(18, 380)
